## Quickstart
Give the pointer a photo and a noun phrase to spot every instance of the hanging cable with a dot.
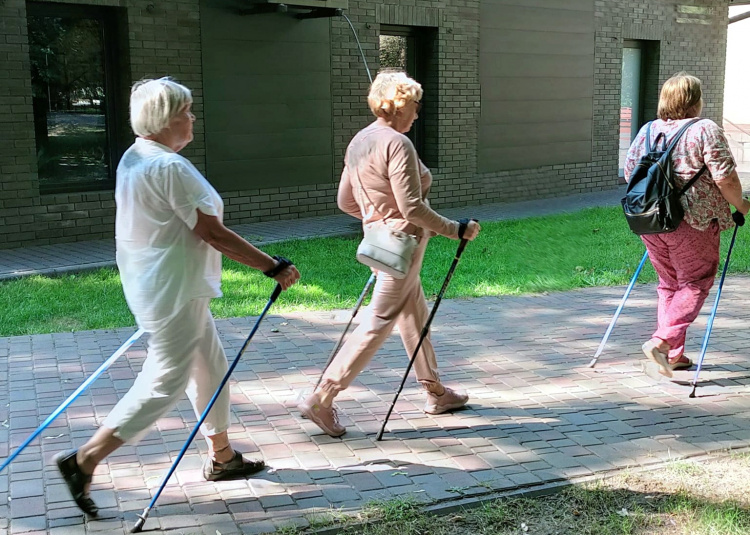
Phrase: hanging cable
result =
(359, 46)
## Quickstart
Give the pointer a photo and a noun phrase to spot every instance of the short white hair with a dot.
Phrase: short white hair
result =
(153, 103)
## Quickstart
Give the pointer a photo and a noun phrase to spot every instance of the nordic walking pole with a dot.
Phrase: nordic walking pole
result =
(362, 296)
(143, 516)
(739, 219)
(425, 330)
(617, 312)
(105, 365)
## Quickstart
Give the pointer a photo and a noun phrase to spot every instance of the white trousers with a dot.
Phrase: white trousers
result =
(184, 356)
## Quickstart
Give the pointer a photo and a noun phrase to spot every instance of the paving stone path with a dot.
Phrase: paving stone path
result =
(537, 415)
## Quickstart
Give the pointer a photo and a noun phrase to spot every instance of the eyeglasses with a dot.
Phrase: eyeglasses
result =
(419, 105)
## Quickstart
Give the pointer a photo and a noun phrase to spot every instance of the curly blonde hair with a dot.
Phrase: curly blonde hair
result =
(391, 91)
(681, 97)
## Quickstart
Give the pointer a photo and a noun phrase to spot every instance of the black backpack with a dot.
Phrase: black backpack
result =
(652, 200)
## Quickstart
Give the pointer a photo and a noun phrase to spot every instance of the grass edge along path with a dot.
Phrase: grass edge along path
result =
(708, 495)
(591, 247)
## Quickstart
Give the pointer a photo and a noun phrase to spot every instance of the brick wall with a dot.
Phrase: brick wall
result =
(161, 37)
(164, 37)
(19, 202)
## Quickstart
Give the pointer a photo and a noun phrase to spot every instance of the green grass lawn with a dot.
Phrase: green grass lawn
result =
(710, 497)
(593, 247)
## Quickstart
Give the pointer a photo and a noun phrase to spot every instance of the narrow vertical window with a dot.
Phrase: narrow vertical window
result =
(71, 52)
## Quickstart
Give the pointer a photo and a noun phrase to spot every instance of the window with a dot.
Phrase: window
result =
(413, 50)
(639, 94)
(630, 98)
(73, 66)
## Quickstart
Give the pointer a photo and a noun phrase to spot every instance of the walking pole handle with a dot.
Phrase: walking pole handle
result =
(276, 293)
(738, 218)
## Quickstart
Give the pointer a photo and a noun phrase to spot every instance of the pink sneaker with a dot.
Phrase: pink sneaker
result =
(449, 400)
(325, 418)
(655, 355)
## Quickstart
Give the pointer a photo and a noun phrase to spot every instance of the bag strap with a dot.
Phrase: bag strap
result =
(673, 143)
(678, 135)
(361, 204)
(659, 136)
(692, 180)
(648, 137)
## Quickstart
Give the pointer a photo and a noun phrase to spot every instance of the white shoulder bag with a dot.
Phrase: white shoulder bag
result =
(384, 248)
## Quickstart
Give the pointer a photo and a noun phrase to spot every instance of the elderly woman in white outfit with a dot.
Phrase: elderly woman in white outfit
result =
(170, 238)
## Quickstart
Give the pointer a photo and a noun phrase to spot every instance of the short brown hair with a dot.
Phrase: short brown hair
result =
(681, 97)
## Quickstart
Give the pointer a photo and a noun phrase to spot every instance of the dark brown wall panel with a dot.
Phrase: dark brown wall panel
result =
(267, 83)
(536, 68)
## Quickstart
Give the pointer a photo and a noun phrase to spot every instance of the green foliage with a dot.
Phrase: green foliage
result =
(66, 59)
(393, 52)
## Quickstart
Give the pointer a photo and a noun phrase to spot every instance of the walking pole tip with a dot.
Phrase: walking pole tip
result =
(692, 394)
(593, 362)
(138, 526)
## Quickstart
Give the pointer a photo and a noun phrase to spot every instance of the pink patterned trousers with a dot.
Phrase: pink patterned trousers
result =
(686, 261)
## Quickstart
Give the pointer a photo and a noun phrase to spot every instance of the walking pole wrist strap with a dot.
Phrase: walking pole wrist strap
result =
(282, 264)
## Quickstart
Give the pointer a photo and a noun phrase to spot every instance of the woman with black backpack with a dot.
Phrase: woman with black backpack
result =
(687, 258)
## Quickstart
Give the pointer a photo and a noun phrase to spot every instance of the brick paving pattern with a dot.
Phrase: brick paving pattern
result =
(537, 415)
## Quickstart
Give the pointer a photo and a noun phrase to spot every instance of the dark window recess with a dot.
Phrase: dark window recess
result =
(414, 50)
(639, 93)
(73, 73)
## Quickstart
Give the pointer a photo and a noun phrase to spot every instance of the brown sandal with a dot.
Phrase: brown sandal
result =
(237, 467)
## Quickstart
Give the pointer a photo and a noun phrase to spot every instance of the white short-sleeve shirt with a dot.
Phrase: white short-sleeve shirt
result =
(163, 264)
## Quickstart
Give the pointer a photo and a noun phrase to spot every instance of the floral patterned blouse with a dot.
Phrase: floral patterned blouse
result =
(703, 142)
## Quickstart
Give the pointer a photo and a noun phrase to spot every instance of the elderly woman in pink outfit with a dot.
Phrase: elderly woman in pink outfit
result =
(383, 178)
(687, 259)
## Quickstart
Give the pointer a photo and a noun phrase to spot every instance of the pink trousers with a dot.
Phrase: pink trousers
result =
(394, 302)
(686, 261)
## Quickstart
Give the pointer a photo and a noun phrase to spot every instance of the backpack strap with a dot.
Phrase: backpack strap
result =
(692, 180)
(660, 136)
(648, 136)
(679, 133)
(672, 144)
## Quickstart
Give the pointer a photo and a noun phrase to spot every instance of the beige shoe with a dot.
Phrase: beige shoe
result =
(324, 417)
(448, 400)
(655, 355)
